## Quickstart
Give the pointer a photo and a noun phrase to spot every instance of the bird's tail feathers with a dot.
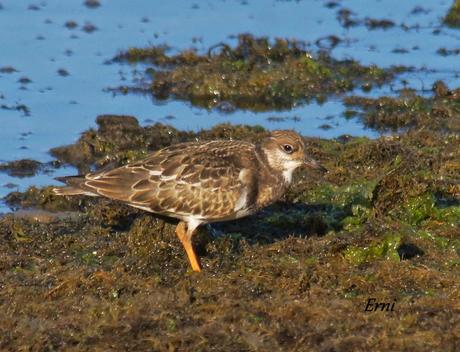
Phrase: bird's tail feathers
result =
(75, 186)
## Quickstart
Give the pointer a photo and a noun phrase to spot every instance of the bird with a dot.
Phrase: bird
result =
(201, 182)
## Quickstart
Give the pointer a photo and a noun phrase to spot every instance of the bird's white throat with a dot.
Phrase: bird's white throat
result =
(289, 168)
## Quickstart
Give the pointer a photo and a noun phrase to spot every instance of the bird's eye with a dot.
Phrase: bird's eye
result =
(288, 148)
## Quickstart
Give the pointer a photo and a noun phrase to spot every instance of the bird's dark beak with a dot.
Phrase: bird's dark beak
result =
(312, 163)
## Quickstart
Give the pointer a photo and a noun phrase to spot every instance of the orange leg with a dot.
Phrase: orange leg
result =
(186, 239)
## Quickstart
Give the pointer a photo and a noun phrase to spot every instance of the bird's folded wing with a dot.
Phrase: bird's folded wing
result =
(201, 180)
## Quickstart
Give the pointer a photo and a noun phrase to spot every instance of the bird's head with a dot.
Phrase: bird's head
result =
(285, 152)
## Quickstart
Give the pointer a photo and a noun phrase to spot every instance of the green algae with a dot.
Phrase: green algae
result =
(342, 206)
(419, 208)
(359, 216)
(256, 74)
(424, 208)
(452, 18)
(440, 241)
(386, 249)
(358, 193)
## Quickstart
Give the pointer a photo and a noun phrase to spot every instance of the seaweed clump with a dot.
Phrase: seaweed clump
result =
(410, 110)
(256, 74)
(21, 168)
(452, 18)
(348, 18)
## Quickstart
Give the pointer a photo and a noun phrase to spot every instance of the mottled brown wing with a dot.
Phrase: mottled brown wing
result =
(204, 180)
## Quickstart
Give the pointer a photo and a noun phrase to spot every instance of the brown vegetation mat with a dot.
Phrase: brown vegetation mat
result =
(383, 223)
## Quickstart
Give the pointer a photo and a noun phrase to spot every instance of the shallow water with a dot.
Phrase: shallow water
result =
(35, 42)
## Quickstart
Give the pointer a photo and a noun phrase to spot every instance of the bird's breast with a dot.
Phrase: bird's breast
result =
(269, 193)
